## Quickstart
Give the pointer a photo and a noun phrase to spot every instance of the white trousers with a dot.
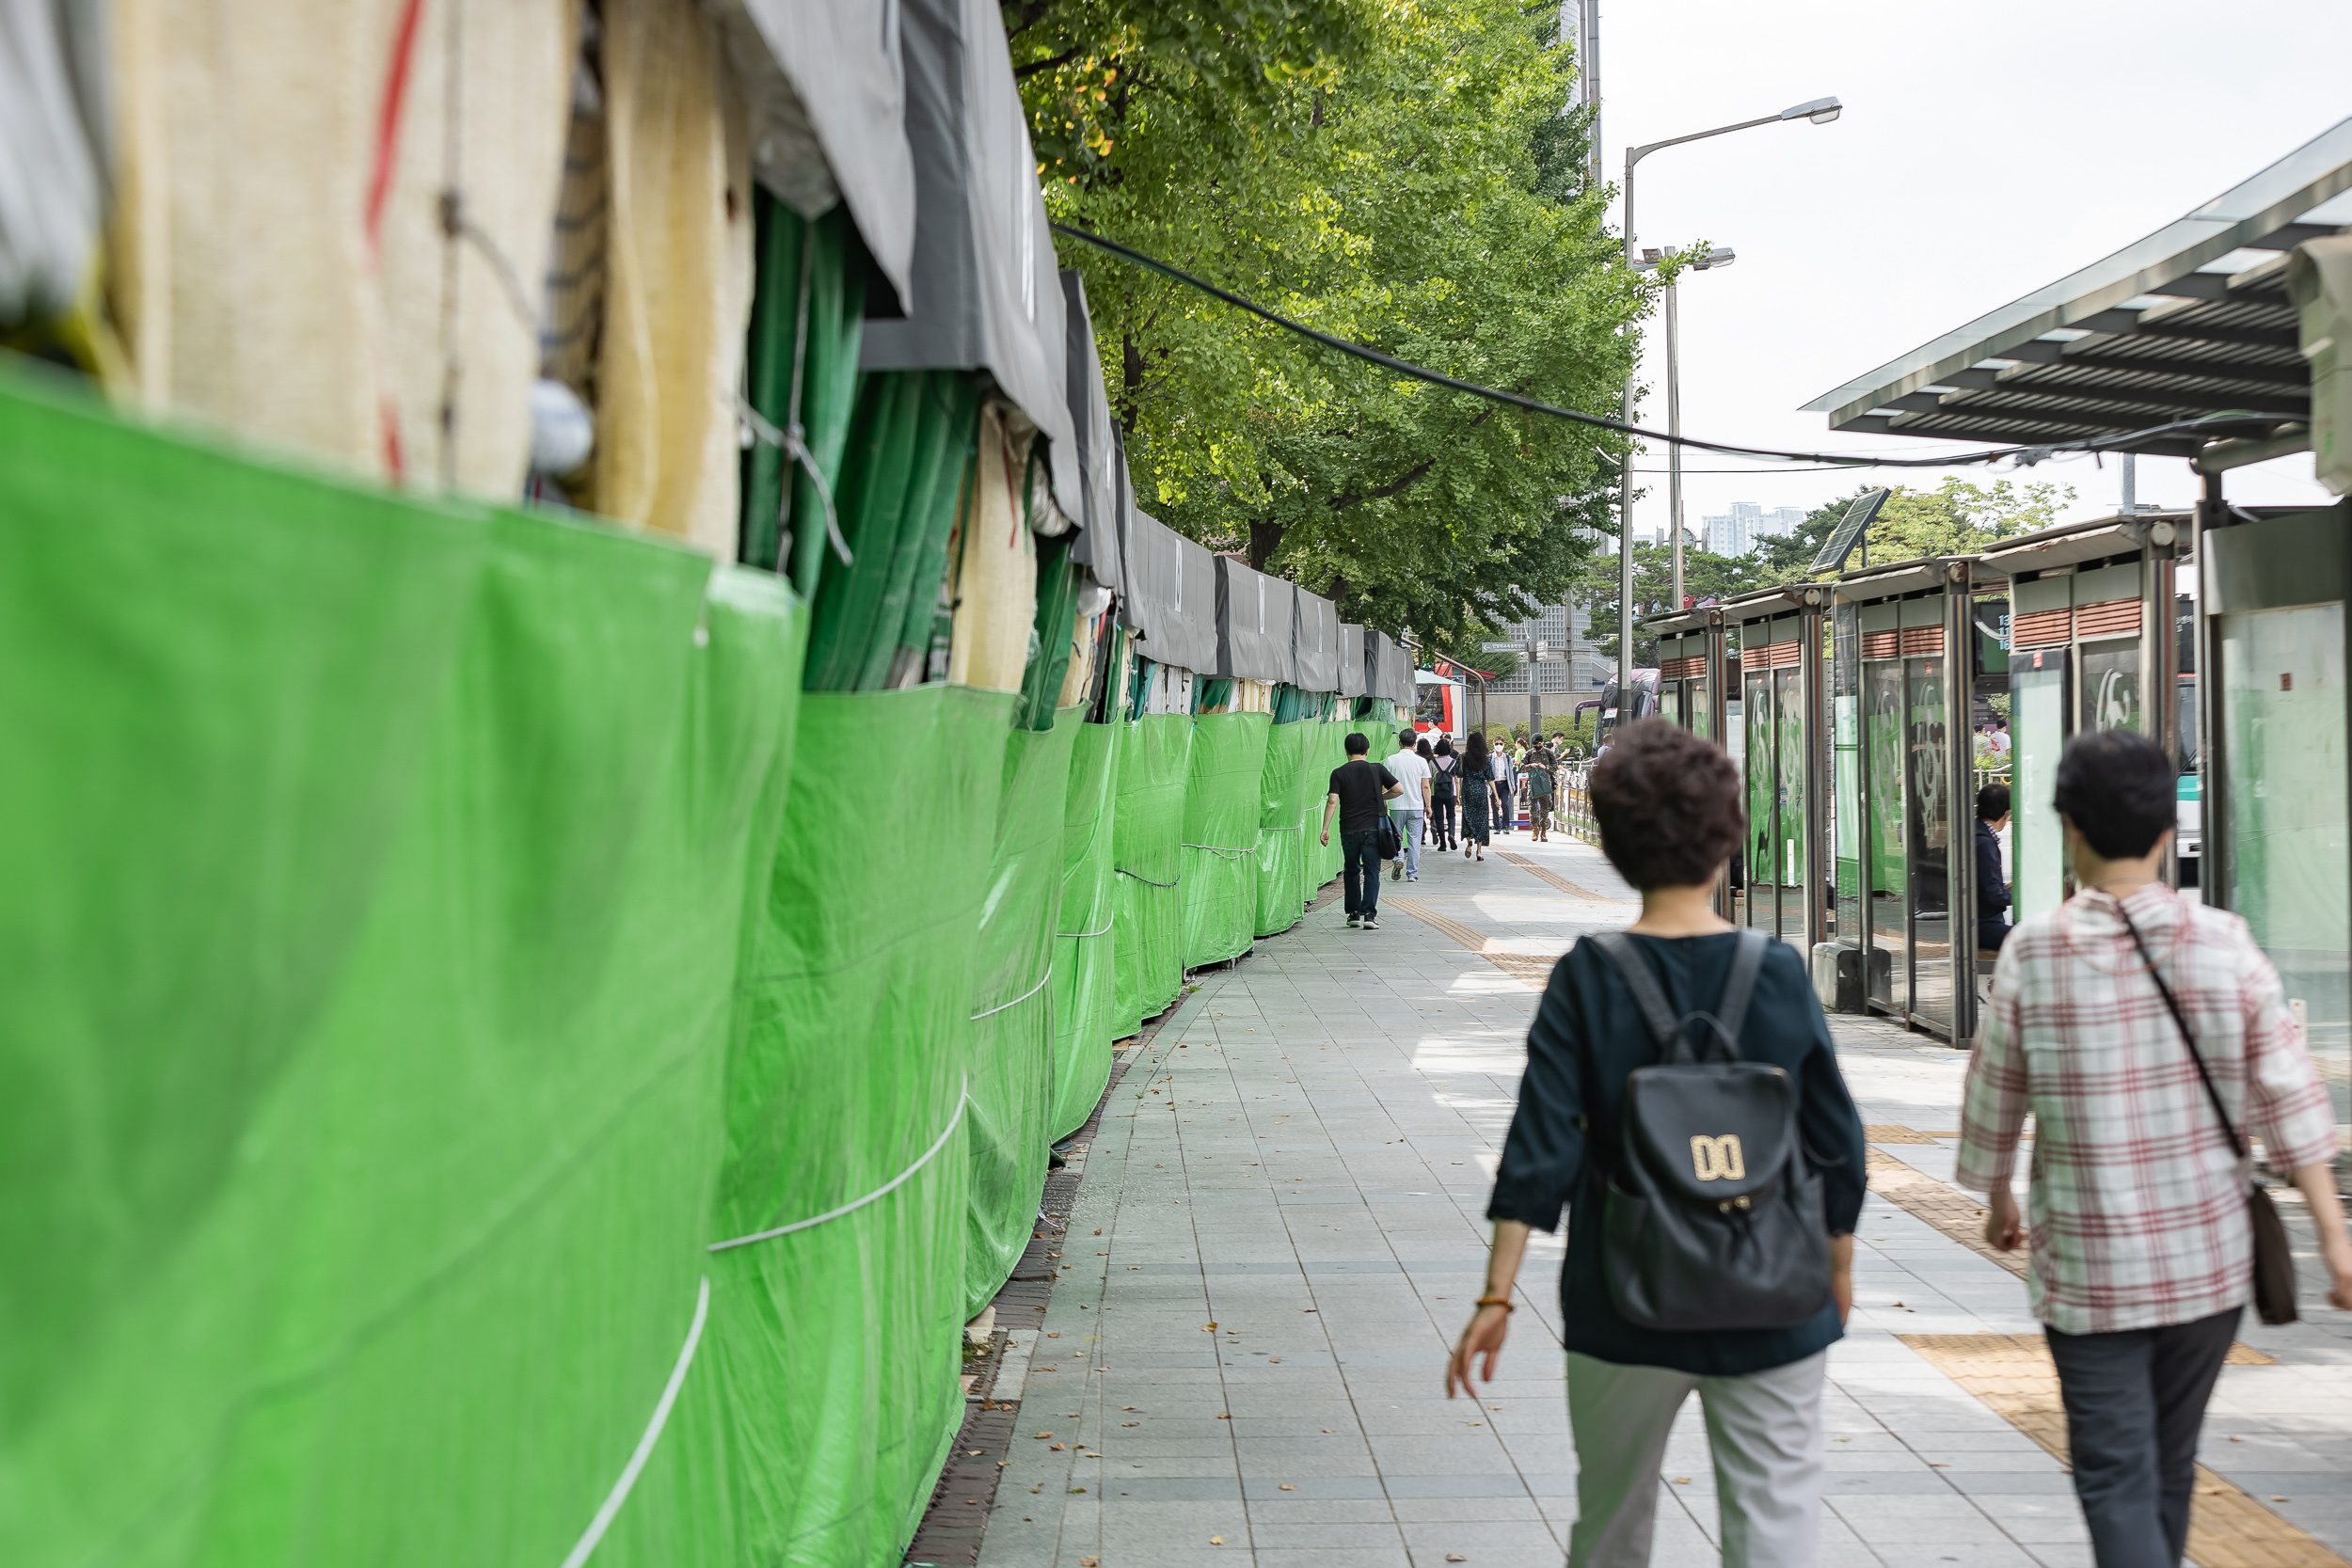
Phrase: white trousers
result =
(1764, 1429)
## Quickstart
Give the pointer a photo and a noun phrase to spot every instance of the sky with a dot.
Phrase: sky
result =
(1985, 149)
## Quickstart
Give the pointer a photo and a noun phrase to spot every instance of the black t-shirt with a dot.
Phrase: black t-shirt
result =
(1362, 786)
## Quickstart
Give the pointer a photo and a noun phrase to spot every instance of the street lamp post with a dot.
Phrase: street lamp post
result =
(1819, 111)
(1705, 260)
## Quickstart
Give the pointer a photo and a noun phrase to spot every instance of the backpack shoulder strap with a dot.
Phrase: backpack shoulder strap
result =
(1647, 996)
(1747, 961)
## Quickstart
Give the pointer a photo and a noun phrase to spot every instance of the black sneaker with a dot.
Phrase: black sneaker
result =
(1369, 924)
(1355, 920)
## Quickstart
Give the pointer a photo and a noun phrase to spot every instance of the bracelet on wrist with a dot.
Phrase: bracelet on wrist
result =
(1503, 1302)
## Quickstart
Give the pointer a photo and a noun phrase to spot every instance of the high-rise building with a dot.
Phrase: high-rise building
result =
(1747, 525)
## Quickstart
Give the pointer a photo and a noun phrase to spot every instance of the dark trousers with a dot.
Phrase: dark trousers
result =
(1359, 864)
(1990, 934)
(2134, 1401)
(1441, 823)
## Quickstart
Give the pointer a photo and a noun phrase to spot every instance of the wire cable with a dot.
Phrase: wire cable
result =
(2025, 456)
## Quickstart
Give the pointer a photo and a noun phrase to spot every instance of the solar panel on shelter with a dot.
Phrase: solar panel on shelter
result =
(1841, 542)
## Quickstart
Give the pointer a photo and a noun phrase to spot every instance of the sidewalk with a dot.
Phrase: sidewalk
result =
(1278, 1234)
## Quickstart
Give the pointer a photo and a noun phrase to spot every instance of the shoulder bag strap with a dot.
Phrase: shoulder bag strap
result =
(2237, 1141)
(1647, 996)
(1747, 961)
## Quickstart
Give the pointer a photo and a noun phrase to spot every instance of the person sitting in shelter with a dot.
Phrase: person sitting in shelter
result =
(1992, 897)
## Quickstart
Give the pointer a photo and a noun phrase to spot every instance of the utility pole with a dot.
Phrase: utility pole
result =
(1587, 36)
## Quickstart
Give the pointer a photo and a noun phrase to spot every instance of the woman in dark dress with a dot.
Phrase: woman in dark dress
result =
(1668, 806)
(1478, 797)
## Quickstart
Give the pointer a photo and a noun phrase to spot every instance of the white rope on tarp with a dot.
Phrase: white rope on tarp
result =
(613, 1499)
(1073, 936)
(1221, 849)
(1018, 1000)
(855, 1204)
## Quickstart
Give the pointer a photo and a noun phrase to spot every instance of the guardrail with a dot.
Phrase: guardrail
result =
(1575, 804)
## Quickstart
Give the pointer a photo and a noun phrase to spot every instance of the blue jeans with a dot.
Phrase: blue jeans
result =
(1409, 826)
(1360, 866)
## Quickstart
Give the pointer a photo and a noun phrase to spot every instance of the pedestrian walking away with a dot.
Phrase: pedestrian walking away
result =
(2148, 1038)
(1422, 749)
(1359, 788)
(1445, 770)
(1478, 796)
(1668, 807)
(1539, 795)
(1412, 770)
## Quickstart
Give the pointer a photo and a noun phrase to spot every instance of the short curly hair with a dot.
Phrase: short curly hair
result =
(1668, 804)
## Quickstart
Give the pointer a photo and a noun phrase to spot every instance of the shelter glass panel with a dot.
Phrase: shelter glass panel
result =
(1887, 786)
(2110, 688)
(1695, 717)
(2037, 727)
(1929, 822)
(1846, 765)
(1763, 904)
(1790, 867)
(2290, 852)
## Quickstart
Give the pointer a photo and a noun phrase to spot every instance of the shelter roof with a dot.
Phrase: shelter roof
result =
(2189, 320)
(1762, 602)
(1896, 578)
(2092, 540)
(1677, 622)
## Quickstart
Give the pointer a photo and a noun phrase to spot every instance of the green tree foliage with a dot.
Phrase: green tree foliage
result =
(1394, 172)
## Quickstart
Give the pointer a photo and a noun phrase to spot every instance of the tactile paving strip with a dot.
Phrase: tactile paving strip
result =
(1544, 874)
(2012, 1374)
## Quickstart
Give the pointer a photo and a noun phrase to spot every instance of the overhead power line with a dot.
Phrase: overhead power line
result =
(2025, 456)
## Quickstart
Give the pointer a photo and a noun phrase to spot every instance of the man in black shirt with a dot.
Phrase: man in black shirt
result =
(1361, 790)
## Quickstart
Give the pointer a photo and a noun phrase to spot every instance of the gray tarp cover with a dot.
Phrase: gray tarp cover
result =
(1398, 665)
(1351, 660)
(1170, 593)
(845, 92)
(986, 290)
(1253, 624)
(1097, 549)
(1378, 681)
(1315, 642)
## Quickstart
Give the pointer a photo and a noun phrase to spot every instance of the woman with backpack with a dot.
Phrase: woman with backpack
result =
(1478, 796)
(1445, 773)
(1684, 1103)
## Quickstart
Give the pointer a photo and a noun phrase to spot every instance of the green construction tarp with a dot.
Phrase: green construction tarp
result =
(1221, 840)
(826, 1393)
(1085, 955)
(1282, 860)
(374, 877)
(1148, 829)
(799, 262)
(1330, 749)
(1007, 1124)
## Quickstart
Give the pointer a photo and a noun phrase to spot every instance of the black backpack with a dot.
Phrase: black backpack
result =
(1711, 1219)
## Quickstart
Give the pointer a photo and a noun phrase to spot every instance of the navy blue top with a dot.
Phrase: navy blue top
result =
(1588, 1037)
(1991, 894)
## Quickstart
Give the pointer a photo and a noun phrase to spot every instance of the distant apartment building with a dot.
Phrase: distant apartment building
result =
(1746, 525)
(1567, 629)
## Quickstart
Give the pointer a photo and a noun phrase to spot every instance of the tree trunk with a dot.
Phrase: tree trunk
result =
(1131, 383)
(1264, 539)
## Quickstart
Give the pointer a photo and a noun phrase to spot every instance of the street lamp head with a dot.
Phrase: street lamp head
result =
(1820, 111)
(1715, 255)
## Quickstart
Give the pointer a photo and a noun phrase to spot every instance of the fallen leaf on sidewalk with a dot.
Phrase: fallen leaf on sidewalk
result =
(1288, 1487)
(1455, 1556)
(1216, 1540)
(1682, 1481)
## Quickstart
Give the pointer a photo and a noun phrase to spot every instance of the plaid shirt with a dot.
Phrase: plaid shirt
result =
(2136, 1207)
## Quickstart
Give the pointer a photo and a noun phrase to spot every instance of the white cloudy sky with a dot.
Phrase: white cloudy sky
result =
(1986, 149)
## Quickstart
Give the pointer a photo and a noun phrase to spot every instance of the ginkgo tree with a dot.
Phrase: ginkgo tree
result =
(1400, 174)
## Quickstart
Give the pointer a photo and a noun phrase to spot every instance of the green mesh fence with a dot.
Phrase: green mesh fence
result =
(807, 295)
(1330, 751)
(826, 1394)
(1221, 840)
(1086, 970)
(1148, 829)
(1282, 861)
(1008, 1121)
(375, 876)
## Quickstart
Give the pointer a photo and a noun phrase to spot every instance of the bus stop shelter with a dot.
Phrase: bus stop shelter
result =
(1911, 651)
(1774, 882)
(2189, 342)
(1690, 685)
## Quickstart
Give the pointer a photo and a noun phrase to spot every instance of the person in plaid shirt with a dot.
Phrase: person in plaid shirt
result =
(2142, 1255)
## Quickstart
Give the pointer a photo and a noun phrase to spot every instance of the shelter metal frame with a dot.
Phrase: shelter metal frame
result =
(1780, 629)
